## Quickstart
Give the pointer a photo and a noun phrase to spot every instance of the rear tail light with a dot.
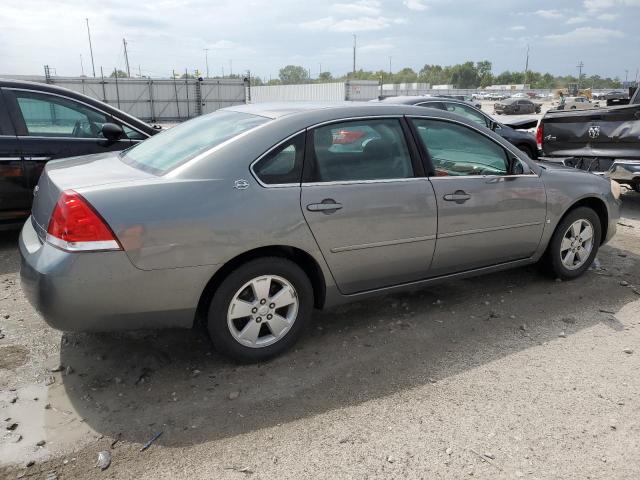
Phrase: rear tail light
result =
(75, 226)
(540, 135)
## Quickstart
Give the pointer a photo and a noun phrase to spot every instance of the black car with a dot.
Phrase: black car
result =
(40, 122)
(523, 140)
(516, 106)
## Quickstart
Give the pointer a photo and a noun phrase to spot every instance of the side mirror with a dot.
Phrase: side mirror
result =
(493, 125)
(112, 132)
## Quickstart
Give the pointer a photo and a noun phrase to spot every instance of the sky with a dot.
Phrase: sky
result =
(265, 35)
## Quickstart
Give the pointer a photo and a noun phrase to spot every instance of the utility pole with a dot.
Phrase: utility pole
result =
(206, 60)
(81, 65)
(230, 67)
(139, 71)
(626, 76)
(126, 57)
(354, 54)
(93, 67)
(526, 66)
(389, 65)
(580, 66)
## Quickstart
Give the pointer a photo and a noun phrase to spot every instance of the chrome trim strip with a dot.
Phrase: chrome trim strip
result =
(37, 158)
(489, 229)
(83, 103)
(269, 150)
(382, 244)
(482, 177)
(82, 246)
(55, 137)
(361, 117)
(358, 182)
(9, 159)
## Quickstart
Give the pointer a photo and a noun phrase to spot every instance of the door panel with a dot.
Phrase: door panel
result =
(501, 221)
(374, 222)
(15, 196)
(491, 207)
(383, 234)
(51, 127)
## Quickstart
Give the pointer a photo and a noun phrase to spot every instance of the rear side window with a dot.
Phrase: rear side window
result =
(467, 112)
(179, 144)
(372, 149)
(51, 116)
(456, 150)
(282, 165)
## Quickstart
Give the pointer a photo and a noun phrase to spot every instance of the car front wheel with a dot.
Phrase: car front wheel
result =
(574, 243)
(260, 310)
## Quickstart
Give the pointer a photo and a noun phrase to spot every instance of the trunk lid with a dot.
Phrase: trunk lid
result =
(77, 173)
(608, 132)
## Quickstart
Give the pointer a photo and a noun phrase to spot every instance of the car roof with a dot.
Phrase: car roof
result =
(48, 88)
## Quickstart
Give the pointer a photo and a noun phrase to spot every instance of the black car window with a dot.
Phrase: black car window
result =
(52, 116)
(467, 112)
(372, 149)
(283, 164)
(438, 105)
(458, 150)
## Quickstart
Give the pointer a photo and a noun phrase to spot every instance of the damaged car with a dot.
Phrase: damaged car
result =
(516, 106)
(604, 141)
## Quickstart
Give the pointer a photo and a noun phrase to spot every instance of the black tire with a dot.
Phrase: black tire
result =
(218, 327)
(528, 150)
(553, 260)
(636, 187)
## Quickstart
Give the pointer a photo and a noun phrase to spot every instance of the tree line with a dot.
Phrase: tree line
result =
(463, 75)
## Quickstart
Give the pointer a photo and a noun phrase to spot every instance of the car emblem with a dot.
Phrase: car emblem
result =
(594, 131)
(35, 190)
(241, 184)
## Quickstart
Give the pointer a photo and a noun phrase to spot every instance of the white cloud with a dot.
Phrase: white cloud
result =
(516, 28)
(584, 35)
(607, 17)
(375, 47)
(362, 24)
(549, 13)
(416, 5)
(361, 7)
(575, 20)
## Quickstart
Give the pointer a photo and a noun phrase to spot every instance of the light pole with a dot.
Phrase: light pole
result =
(354, 55)
(206, 60)
(93, 67)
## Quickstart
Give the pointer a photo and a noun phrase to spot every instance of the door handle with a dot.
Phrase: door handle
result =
(327, 206)
(459, 196)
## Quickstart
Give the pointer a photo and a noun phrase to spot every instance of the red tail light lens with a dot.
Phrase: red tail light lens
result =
(76, 226)
(540, 135)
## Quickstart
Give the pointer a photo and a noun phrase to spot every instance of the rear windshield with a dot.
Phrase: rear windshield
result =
(179, 144)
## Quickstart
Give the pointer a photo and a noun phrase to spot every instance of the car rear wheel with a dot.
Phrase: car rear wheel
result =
(260, 310)
(574, 244)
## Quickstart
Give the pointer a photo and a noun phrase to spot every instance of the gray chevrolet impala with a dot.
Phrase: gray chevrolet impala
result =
(251, 216)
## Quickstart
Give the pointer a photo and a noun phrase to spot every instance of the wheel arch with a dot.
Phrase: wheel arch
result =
(597, 205)
(301, 258)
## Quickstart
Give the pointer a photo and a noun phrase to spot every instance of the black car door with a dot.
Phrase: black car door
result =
(51, 126)
(15, 198)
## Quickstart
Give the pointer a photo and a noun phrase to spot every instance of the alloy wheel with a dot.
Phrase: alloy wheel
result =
(577, 244)
(262, 311)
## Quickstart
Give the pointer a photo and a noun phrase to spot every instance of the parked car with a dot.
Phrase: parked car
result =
(604, 141)
(576, 103)
(497, 96)
(462, 98)
(40, 122)
(525, 141)
(252, 216)
(516, 106)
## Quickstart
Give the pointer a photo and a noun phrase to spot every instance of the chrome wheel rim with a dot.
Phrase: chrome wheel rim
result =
(262, 311)
(576, 245)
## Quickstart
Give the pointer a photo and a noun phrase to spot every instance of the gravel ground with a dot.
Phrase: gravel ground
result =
(510, 375)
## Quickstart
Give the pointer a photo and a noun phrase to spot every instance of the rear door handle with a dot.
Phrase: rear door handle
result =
(459, 196)
(328, 205)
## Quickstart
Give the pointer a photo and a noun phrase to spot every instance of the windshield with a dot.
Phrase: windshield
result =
(179, 144)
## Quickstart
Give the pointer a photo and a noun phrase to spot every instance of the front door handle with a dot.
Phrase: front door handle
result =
(459, 196)
(327, 206)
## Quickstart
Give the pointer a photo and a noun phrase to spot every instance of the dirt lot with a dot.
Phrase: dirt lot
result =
(504, 376)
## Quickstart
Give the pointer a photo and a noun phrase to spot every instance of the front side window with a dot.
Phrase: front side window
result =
(51, 116)
(179, 144)
(467, 112)
(457, 150)
(283, 165)
(372, 149)
(132, 134)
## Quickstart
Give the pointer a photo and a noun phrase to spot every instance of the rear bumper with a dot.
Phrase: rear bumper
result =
(622, 171)
(104, 291)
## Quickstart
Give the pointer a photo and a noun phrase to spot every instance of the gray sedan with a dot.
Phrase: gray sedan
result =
(248, 218)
